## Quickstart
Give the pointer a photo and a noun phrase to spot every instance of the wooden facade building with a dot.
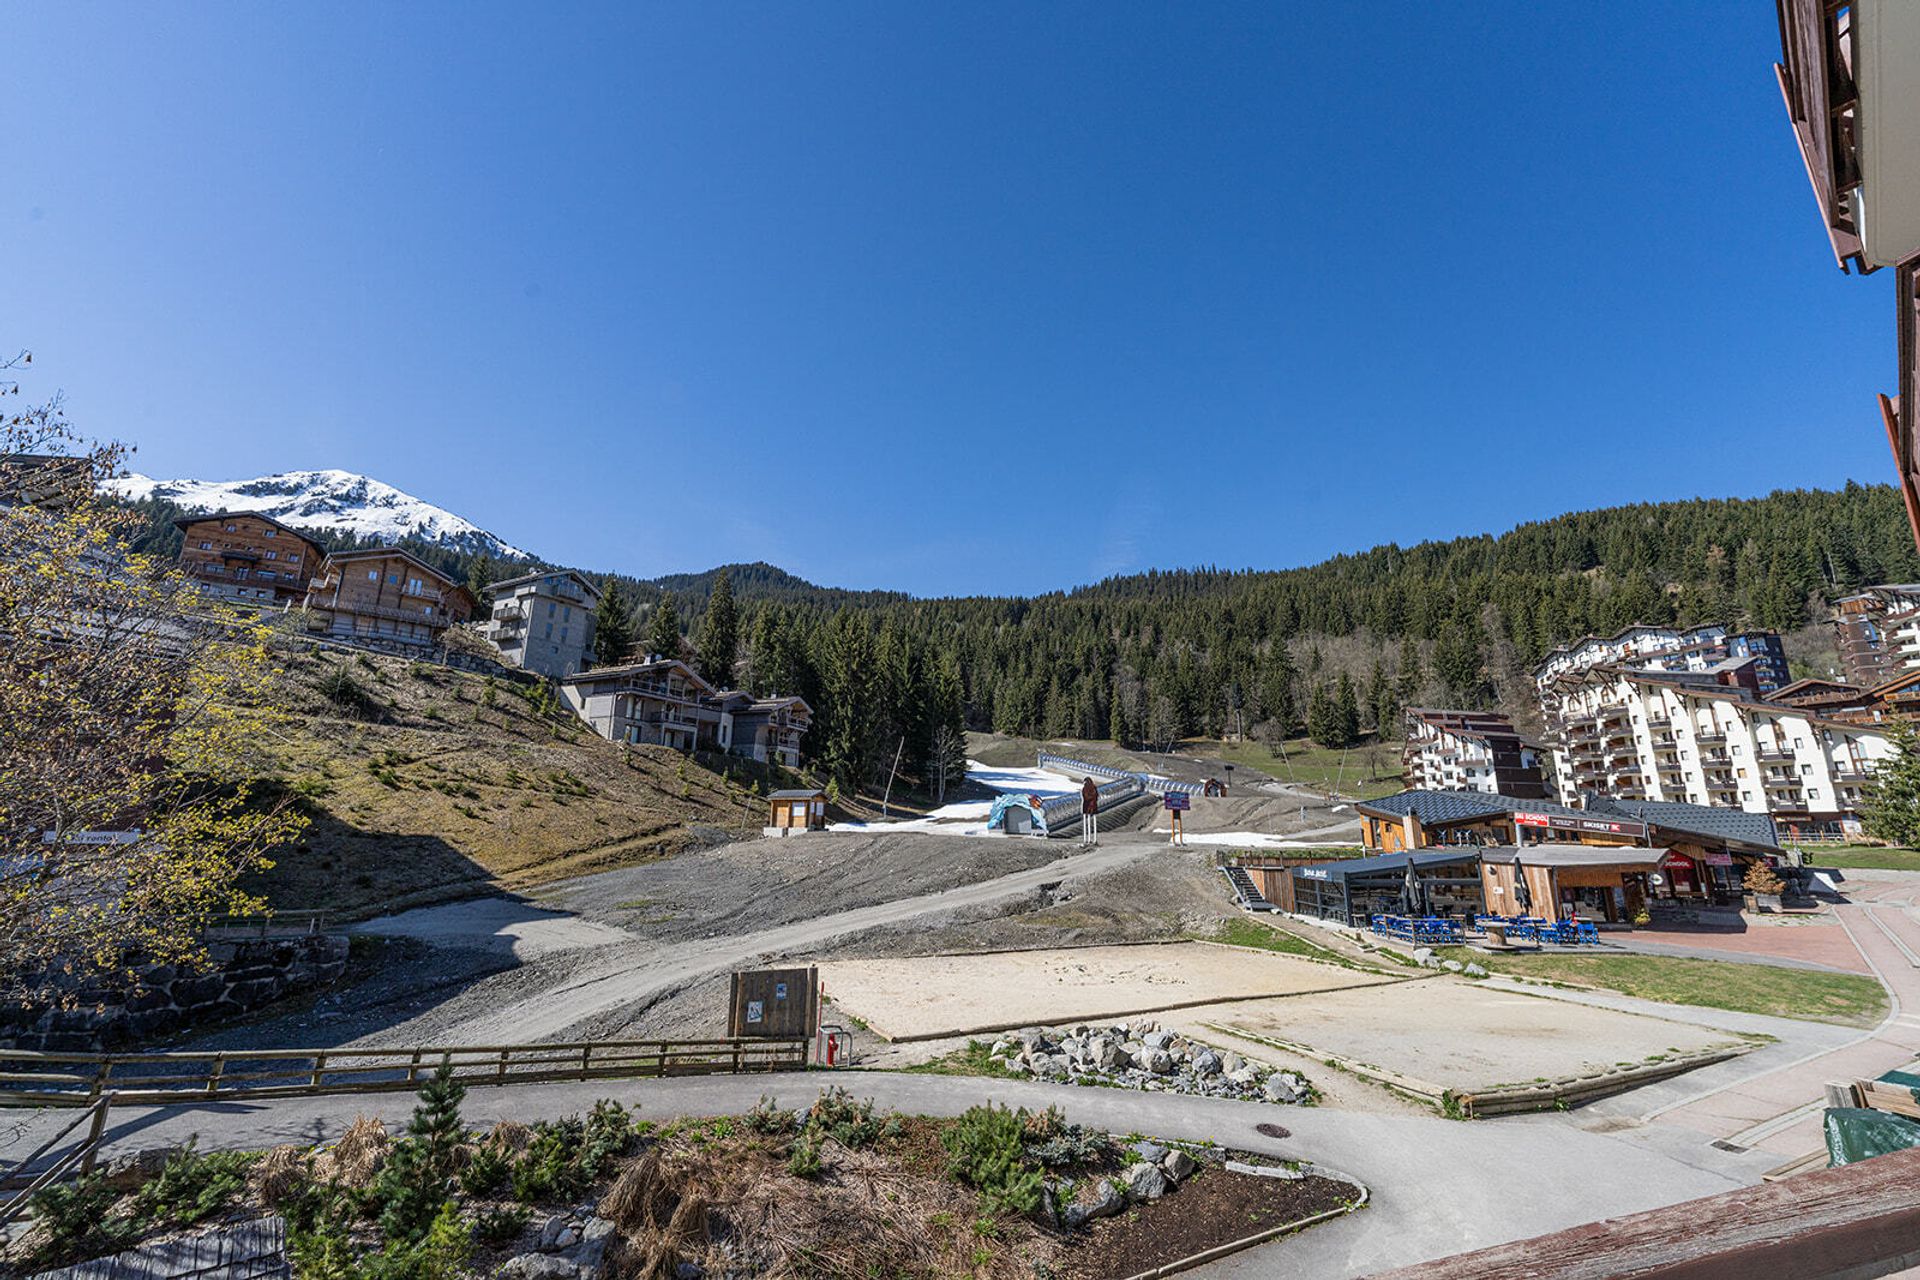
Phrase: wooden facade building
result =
(386, 594)
(248, 557)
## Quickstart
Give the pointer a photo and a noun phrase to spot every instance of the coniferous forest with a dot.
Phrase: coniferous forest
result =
(1334, 649)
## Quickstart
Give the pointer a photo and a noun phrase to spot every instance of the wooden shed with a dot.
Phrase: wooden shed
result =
(790, 812)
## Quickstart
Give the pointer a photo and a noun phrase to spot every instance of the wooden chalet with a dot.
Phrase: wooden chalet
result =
(248, 556)
(383, 593)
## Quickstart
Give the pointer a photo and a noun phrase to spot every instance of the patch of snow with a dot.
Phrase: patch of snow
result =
(1037, 782)
(329, 500)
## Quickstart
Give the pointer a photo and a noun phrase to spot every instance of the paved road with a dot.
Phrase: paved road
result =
(1772, 1101)
(620, 971)
(1439, 1186)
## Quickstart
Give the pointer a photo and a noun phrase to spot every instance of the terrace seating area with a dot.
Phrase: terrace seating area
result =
(1442, 931)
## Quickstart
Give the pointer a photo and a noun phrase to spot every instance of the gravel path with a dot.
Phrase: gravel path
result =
(614, 974)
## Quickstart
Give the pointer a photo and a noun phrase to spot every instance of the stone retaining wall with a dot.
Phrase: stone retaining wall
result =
(240, 976)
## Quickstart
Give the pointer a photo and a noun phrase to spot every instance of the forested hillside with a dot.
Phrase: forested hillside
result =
(1337, 647)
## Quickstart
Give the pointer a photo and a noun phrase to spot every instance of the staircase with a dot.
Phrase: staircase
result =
(1245, 892)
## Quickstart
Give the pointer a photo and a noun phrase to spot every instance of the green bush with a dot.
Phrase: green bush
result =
(568, 1156)
(78, 1223)
(191, 1186)
(849, 1122)
(412, 1185)
(498, 1226)
(440, 1253)
(804, 1160)
(769, 1117)
(986, 1148)
(485, 1172)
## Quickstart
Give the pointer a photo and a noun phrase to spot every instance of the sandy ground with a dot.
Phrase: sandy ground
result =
(1451, 1033)
(954, 995)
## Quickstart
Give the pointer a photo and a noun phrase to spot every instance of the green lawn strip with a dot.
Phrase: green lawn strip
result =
(970, 1061)
(1261, 937)
(1865, 857)
(1811, 995)
(1312, 765)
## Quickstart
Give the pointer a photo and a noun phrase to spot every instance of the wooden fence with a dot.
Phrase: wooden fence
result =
(141, 1079)
(77, 1158)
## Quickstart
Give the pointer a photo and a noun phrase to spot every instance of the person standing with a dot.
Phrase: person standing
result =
(1089, 813)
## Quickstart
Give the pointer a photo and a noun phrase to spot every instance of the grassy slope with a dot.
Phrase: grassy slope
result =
(1809, 994)
(1350, 773)
(1872, 857)
(428, 792)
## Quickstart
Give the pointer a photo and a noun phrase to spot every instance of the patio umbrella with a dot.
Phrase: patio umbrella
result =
(1414, 892)
(1523, 897)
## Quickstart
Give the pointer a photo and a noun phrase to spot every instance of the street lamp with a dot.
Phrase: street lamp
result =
(1229, 779)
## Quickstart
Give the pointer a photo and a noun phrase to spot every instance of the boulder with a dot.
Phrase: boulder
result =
(1145, 1182)
(538, 1266)
(1001, 1049)
(134, 1170)
(1133, 1053)
(688, 1271)
(1150, 1152)
(1103, 1053)
(1101, 1199)
(1157, 1039)
(1231, 1062)
(1159, 1062)
(1452, 966)
(1244, 1076)
(1475, 971)
(1422, 954)
(1206, 1063)
(1279, 1088)
(551, 1230)
(1178, 1166)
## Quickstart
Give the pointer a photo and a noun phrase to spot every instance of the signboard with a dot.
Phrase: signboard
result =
(1594, 826)
(781, 1003)
(1677, 862)
(1718, 859)
(91, 837)
(1178, 800)
(756, 1012)
(1314, 873)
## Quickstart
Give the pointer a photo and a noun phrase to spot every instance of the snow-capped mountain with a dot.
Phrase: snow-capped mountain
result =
(334, 501)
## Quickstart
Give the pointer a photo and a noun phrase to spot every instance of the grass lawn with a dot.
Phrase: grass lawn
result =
(1249, 933)
(1351, 773)
(1871, 857)
(1848, 999)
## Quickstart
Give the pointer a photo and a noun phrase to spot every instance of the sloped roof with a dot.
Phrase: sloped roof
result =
(187, 522)
(1343, 868)
(1437, 807)
(1716, 822)
(1575, 855)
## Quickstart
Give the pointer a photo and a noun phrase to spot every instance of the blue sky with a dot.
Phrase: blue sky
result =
(946, 299)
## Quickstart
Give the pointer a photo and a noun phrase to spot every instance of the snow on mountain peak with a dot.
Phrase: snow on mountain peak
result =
(331, 500)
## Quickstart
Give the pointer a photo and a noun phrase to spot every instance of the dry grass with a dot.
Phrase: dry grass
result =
(277, 1175)
(509, 1137)
(358, 1155)
(436, 786)
(733, 1208)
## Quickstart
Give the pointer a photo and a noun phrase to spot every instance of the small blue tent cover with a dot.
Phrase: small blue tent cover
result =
(997, 818)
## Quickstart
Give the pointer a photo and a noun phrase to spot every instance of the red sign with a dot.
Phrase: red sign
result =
(1531, 819)
(1678, 862)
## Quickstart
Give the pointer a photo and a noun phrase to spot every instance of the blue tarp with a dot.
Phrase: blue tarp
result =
(997, 819)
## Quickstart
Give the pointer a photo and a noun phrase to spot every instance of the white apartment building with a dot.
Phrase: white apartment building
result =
(544, 622)
(1697, 649)
(1469, 751)
(1641, 735)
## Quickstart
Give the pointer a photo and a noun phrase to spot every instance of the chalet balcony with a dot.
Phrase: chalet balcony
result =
(1710, 735)
(1773, 753)
(435, 620)
(1851, 773)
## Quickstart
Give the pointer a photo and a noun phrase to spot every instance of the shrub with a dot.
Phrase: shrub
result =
(565, 1157)
(767, 1116)
(497, 1226)
(848, 1122)
(1073, 1145)
(76, 1222)
(412, 1186)
(485, 1172)
(191, 1186)
(804, 1160)
(986, 1148)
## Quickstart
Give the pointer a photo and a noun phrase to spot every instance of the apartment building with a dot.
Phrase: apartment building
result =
(1470, 751)
(1878, 633)
(544, 621)
(664, 701)
(1697, 738)
(1697, 649)
(383, 593)
(248, 557)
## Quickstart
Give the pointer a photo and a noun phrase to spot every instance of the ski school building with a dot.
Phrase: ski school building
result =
(1608, 863)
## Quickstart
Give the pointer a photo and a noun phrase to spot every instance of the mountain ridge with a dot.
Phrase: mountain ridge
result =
(328, 500)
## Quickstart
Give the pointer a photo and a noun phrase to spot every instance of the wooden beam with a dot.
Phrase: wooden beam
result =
(1851, 1223)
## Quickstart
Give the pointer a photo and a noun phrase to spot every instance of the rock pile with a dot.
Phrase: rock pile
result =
(566, 1246)
(1153, 1171)
(1140, 1054)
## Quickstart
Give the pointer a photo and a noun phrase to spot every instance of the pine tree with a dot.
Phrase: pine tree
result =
(719, 635)
(1320, 726)
(947, 742)
(413, 1183)
(1117, 719)
(1890, 809)
(1411, 676)
(612, 624)
(1346, 713)
(663, 629)
(1276, 695)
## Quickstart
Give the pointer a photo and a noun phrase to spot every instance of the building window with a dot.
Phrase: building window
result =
(1746, 795)
(373, 575)
(273, 555)
(227, 527)
(273, 533)
(206, 546)
(1813, 793)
